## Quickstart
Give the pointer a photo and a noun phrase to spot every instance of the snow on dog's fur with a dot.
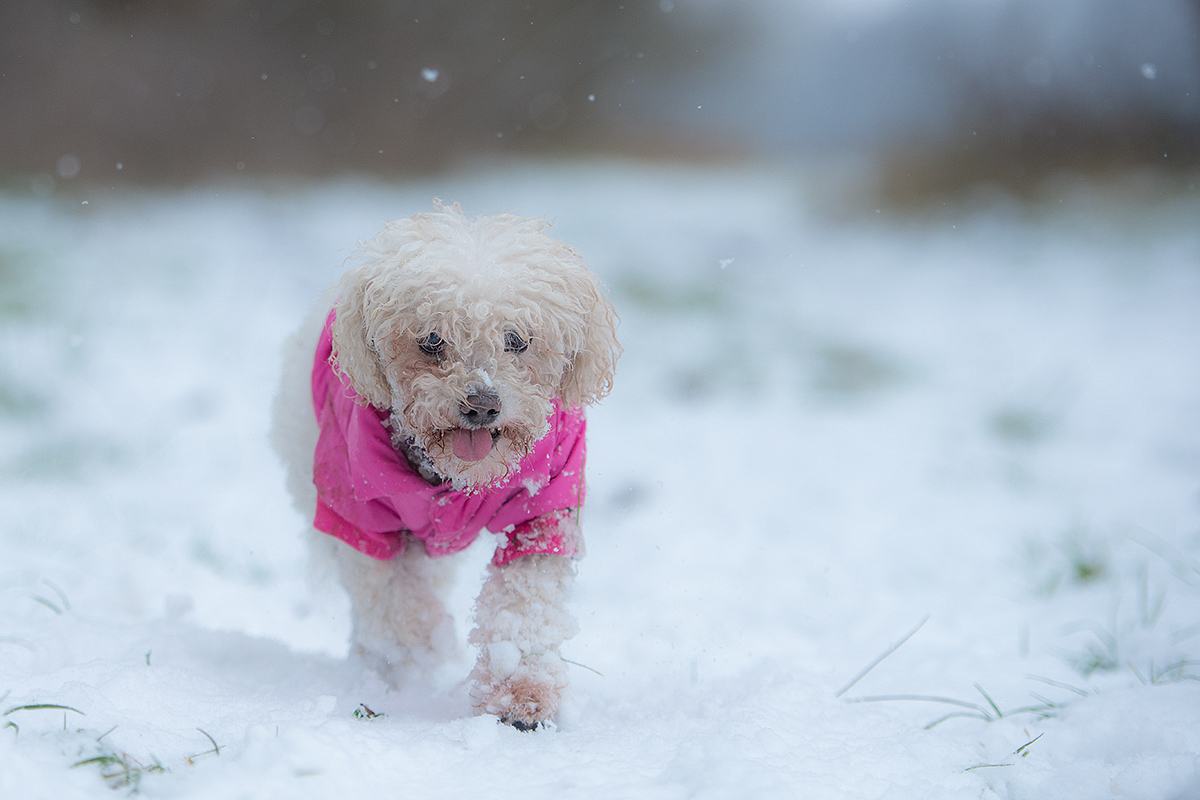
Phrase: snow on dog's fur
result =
(465, 331)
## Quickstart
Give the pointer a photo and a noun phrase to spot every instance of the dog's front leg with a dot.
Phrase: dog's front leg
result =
(400, 626)
(521, 619)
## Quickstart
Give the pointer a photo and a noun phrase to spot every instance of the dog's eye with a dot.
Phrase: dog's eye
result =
(432, 344)
(513, 342)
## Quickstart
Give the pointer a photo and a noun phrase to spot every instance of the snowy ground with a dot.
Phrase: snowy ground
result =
(826, 429)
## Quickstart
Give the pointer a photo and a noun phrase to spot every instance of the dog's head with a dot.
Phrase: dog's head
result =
(468, 330)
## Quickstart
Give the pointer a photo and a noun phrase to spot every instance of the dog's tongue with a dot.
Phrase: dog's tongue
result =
(472, 445)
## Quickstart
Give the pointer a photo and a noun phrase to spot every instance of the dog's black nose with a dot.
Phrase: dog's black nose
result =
(480, 410)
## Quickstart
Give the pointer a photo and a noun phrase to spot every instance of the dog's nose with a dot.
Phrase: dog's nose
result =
(480, 410)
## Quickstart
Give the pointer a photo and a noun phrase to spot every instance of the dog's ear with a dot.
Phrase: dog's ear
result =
(354, 349)
(592, 356)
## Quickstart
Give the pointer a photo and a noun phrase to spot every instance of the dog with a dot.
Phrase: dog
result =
(441, 394)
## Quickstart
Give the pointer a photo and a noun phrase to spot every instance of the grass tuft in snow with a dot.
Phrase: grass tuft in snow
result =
(362, 712)
(989, 713)
(121, 770)
(42, 706)
(216, 748)
(1172, 673)
(1023, 750)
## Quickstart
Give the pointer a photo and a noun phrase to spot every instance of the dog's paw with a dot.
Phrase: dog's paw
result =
(527, 698)
(528, 703)
(523, 727)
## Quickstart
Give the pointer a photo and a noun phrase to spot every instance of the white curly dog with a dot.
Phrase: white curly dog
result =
(441, 395)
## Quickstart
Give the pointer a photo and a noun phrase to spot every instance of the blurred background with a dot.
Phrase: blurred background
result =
(908, 291)
(930, 96)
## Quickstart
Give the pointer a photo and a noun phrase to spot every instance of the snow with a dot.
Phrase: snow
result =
(827, 427)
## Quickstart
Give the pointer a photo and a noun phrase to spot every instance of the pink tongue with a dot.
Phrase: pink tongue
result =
(472, 445)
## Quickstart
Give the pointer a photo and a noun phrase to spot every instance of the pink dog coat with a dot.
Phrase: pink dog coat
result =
(371, 498)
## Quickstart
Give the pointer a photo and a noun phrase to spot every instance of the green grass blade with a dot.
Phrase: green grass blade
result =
(40, 706)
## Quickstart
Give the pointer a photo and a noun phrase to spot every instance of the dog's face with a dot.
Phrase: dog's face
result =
(468, 330)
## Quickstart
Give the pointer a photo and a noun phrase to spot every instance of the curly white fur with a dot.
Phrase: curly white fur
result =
(517, 318)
